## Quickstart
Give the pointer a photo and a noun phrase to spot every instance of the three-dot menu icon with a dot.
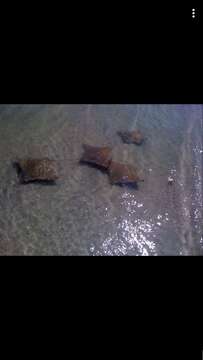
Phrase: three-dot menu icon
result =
(193, 13)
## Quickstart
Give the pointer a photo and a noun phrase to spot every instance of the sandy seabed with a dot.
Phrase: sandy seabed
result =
(83, 214)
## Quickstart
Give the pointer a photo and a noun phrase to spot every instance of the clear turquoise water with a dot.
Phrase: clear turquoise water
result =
(83, 214)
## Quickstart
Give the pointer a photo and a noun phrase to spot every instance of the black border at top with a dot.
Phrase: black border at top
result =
(154, 56)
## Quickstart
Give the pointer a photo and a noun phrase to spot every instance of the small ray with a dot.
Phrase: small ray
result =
(100, 156)
(131, 137)
(30, 170)
(123, 174)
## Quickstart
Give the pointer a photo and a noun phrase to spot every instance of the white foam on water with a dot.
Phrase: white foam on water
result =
(191, 180)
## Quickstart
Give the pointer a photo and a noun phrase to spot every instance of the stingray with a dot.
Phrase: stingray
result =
(99, 156)
(37, 170)
(122, 174)
(131, 137)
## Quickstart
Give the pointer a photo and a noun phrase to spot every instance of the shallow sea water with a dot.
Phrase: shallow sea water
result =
(83, 214)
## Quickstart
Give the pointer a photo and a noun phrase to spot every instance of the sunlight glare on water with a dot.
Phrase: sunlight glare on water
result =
(132, 233)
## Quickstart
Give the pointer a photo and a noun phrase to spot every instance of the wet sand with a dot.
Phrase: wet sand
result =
(83, 214)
